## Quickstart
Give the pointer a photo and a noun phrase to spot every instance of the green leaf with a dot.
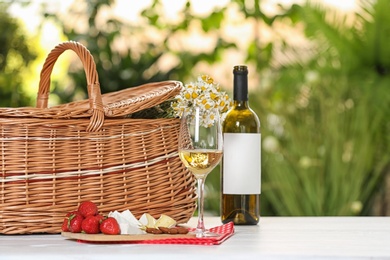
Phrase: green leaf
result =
(213, 21)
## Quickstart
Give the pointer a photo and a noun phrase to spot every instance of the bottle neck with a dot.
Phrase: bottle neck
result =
(240, 86)
(244, 104)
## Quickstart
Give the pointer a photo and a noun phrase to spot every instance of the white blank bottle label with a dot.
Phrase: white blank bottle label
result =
(242, 163)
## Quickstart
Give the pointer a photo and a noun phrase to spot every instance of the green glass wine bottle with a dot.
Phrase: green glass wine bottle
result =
(241, 162)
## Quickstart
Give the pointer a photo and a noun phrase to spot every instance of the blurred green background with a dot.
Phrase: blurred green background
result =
(319, 81)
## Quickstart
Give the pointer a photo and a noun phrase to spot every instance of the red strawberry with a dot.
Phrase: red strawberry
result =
(110, 226)
(88, 208)
(100, 218)
(65, 224)
(90, 225)
(74, 224)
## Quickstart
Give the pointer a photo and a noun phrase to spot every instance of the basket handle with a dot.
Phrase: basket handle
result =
(94, 93)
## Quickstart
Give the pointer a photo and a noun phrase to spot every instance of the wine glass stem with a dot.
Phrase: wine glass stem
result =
(200, 229)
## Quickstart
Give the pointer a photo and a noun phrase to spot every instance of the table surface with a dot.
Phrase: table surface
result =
(273, 238)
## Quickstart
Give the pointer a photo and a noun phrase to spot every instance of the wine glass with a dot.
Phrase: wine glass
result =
(200, 149)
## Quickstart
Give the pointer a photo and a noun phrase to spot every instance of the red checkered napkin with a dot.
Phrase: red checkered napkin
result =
(225, 231)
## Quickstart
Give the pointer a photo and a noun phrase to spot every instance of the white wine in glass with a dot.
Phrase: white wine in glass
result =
(200, 149)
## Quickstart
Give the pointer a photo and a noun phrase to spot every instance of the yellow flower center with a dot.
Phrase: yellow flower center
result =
(207, 79)
(213, 96)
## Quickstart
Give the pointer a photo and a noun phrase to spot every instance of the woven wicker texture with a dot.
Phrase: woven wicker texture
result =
(54, 158)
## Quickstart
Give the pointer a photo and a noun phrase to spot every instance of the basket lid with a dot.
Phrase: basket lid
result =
(130, 100)
(97, 106)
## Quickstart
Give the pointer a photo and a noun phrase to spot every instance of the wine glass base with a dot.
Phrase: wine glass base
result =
(204, 233)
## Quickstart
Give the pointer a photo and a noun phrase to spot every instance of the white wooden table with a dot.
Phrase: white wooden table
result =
(273, 238)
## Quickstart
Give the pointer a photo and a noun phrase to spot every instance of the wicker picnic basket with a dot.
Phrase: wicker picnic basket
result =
(54, 158)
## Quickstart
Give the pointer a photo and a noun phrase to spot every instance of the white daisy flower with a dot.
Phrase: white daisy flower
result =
(203, 93)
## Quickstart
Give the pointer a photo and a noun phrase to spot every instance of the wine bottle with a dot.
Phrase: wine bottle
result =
(241, 161)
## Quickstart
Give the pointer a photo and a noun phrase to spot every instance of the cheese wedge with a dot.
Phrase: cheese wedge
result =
(165, 221)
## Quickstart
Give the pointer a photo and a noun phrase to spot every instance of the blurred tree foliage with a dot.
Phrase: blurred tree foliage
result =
(16, 55)
(126, 56)
(326, 117)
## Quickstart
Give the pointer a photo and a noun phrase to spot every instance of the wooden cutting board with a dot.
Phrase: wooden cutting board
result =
(116, 238)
